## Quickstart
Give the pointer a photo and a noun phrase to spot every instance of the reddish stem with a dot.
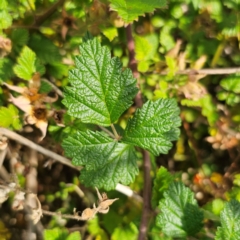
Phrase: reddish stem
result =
(146, 213)
(133, 63)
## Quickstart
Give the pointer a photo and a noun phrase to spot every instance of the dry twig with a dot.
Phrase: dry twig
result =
(206, 71)
(16, 137)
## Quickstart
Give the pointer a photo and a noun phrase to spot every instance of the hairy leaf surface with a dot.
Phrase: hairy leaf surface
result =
(180, 215)
(230, 222)
(106, 161)
(154, 126)
(130, 10)
(100, 90)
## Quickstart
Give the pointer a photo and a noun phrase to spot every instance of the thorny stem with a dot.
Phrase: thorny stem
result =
(146, 157)
(116, 136)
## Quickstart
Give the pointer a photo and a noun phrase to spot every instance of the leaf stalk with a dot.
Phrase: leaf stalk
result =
(117, 137)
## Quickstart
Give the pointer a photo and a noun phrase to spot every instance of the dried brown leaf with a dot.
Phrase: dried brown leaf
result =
(89, 213)
(18, 201)
(36, 213)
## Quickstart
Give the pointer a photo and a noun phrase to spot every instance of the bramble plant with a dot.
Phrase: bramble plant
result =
(117, 86)
(99, 94)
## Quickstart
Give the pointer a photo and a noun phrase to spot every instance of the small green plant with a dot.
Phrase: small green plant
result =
(101, 90)
(138, 106)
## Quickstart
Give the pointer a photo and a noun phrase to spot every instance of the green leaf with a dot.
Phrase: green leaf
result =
(161, 183)
(230, 222)
(129, 231)
(231, 83)
(3, 5)
(172, 66)
(234, 193)
(230, 97)
(26, 64)
(45, 49)
(180, 215)
(130, 10)
(39, 67)
(74, 236)
(154, 126)
(230, 24)
(16, 124)
(5, 116)
(19, 37)
(95, 229)
(45, 87)
(143, 66)
(87, 36)
(106, 161)
(156, 234)
(31, 4)
(60, 234)
(9, 116)
(6, 69)
(89, 148)
(110, 32)
(209, 109)
(101, 91)
(58, 70)
(5, 19)
(146, 47)
(215, 206)
(120, 167)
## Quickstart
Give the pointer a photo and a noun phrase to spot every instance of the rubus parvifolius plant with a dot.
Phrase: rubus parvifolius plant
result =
(120, 138)
(100, 92)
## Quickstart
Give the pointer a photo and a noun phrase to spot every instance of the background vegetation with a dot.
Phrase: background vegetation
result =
(187, 50)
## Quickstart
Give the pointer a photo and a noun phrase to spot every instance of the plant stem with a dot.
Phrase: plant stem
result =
(48, 13)
(107, 131)
(67, 216)
(133, 63)
(192, 140)
(55, 88)
(147, 189)
(117, 137)
(205, 71)
(24, 141)
(16, 137)
(146, 213)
